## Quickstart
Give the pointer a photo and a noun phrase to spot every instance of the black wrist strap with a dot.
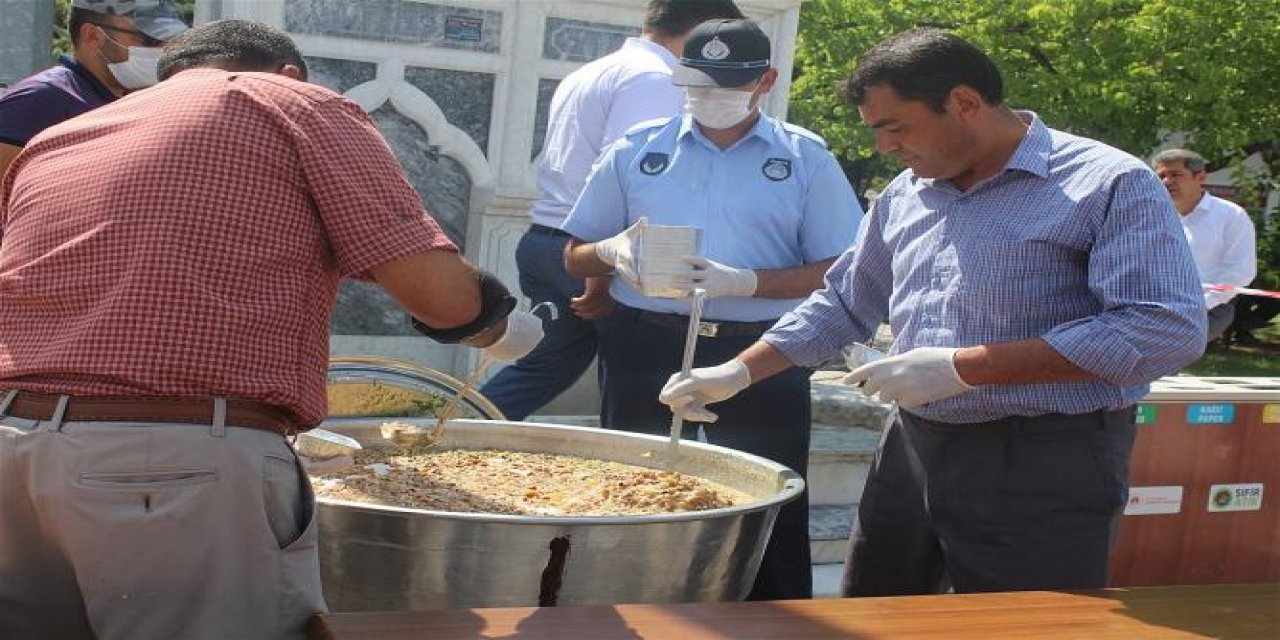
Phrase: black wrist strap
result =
(496, 303)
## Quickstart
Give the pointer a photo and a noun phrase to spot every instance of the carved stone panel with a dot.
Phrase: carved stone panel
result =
(581, 41)
(435, 25)
(465, 97)
(339, 75)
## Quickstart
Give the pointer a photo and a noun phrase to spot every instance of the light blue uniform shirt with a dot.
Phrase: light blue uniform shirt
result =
(776, 199)
(1074, 242)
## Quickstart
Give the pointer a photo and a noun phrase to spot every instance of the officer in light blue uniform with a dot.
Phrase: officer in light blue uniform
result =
(774, 210)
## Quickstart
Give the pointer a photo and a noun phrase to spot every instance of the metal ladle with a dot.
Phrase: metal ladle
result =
(686, 366)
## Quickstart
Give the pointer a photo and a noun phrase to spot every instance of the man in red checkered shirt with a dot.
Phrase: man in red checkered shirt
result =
(169, 266)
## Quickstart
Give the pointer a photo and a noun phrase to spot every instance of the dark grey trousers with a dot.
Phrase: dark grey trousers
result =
(1008, 505)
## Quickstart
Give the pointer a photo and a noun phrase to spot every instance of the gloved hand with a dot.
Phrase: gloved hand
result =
(523, 333)
(718, 280)
(917, 377)
(689, 396)
(620, 252)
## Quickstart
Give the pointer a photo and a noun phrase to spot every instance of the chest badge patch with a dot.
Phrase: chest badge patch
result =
(776, 169)
(654, 163)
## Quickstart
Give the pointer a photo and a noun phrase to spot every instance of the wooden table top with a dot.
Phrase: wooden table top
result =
(1211, 611)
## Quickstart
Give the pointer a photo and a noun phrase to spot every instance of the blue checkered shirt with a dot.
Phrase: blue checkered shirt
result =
(1073, 242)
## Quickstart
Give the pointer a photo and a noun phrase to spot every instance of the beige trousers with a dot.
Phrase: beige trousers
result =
(132, 531)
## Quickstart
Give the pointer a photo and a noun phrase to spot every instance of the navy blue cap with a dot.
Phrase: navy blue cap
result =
(723, 53)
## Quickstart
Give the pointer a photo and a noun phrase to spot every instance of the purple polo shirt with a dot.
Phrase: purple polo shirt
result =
(47, 98)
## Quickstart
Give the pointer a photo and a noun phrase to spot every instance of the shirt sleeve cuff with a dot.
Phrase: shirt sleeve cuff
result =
(1096, 348)
(416, 237)
(801, 351)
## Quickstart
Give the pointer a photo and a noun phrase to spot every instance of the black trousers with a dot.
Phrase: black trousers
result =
(1009, 505)
(769, 419)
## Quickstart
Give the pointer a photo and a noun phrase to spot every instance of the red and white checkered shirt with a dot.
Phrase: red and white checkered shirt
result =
(188, 240)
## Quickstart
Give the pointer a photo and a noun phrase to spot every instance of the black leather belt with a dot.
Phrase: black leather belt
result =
(548, 231)
(709, 328)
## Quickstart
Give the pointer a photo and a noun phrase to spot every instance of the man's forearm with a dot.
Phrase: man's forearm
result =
(796, 282)
(1016, 362)
(438, 287)
(581, 261)
(763, 360)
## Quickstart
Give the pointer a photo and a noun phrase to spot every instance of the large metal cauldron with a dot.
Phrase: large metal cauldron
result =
(388, 558)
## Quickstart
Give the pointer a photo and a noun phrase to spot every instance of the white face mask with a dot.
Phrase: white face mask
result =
(718, 107)
(139, 69)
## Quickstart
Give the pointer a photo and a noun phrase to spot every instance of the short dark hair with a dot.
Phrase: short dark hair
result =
(75, 19)
(924, 65)
(674, 18)
(234, 45)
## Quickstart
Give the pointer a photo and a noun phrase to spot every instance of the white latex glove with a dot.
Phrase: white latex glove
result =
(524, 332)
(917, 377)
(689, 397)
(718, 280)
(620, 252)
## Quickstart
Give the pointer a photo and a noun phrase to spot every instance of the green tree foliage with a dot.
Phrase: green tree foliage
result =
(1126, 72)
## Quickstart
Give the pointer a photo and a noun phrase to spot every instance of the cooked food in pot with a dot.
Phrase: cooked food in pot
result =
(518, 483)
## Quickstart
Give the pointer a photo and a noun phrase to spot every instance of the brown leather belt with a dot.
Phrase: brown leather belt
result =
(164, 409)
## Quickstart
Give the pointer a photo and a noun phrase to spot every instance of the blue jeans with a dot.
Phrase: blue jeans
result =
(569, 344)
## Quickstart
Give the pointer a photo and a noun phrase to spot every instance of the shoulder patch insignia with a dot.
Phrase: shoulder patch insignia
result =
(654, 163)
(776, 169)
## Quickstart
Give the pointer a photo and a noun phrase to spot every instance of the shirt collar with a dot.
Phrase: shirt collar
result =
(1032, 154)
(90, 79)
(1202, 205)
(762, 129)
(640, 44)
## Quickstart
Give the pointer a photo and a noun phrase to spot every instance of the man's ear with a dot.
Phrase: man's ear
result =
(767, 80)
(291, 71)
(965, 101)
(90, 35)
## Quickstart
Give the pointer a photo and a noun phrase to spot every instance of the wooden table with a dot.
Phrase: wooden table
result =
(1216, 611)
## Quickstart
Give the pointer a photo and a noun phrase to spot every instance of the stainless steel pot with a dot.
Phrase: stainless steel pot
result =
(376, 558)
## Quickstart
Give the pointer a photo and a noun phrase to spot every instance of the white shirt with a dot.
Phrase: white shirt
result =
(591, 108)
(1222, 241)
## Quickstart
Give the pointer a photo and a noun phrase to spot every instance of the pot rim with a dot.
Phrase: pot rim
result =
(793, 484)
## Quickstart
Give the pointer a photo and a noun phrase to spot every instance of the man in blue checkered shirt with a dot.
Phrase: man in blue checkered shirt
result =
(1036, 283)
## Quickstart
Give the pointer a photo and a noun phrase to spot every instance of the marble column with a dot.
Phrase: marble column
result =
(26, 29)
